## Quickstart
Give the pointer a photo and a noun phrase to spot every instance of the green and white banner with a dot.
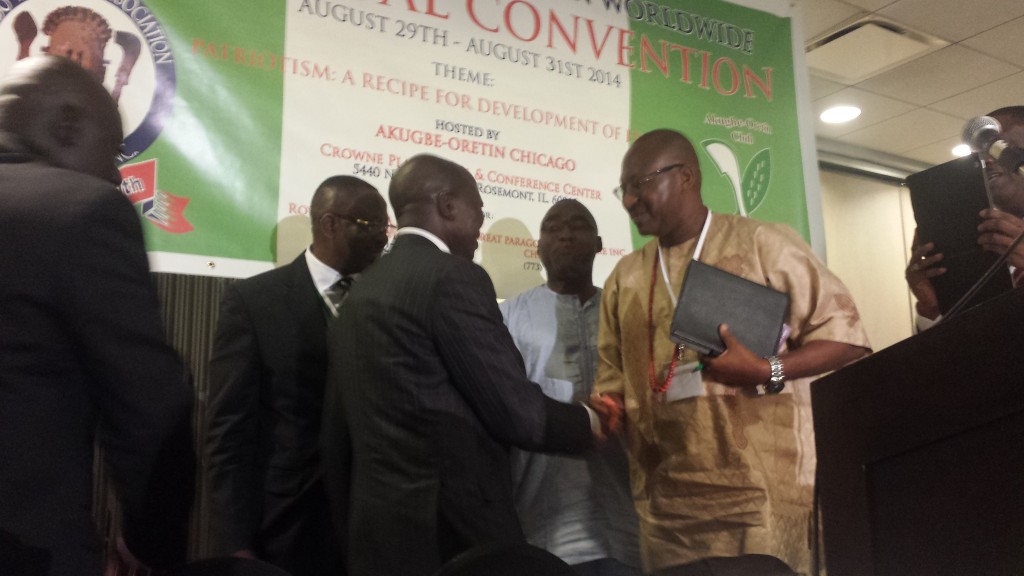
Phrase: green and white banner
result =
(236, 110)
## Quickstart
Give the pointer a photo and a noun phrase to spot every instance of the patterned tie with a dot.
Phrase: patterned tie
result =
(337, 293)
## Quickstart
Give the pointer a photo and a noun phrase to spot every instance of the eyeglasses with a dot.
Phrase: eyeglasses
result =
(633, 188)
(366, 226)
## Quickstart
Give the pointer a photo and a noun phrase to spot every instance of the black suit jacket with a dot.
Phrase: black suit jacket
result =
(426, 392)
(83, 356)
(267, 371)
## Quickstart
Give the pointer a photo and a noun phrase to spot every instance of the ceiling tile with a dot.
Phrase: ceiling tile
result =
(870, 5)
(820, 87)
(821, 16)
(983, 72)
(953, 20)
(939, 75)
(866, 50)
(935, 153)
(874, 109)
(1007, 91)
(1002, 42)
(906, 132)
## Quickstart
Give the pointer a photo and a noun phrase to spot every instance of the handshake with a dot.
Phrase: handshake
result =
(610, 411)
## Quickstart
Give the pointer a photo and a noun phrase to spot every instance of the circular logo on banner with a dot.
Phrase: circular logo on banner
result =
(120, 41)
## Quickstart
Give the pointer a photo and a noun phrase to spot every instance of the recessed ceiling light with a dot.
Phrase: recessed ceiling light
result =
(840, 114)
(961, 150)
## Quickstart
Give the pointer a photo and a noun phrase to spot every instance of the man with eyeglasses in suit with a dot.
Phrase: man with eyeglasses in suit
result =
(721, 453)
(268, 369)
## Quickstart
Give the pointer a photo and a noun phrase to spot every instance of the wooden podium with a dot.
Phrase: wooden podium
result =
(921, 451)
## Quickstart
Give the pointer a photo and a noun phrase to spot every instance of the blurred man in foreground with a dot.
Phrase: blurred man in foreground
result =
(82, 352)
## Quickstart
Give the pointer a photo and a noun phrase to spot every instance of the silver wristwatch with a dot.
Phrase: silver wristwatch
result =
(777, 381)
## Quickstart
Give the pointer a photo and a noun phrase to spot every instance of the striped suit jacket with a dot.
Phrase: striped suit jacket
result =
(426, 392)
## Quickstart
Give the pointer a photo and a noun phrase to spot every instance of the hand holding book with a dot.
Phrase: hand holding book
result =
(737, 365)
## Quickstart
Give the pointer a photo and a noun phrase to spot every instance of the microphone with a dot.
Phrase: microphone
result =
(982, 135)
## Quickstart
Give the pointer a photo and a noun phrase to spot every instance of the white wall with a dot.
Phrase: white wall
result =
(869, 226)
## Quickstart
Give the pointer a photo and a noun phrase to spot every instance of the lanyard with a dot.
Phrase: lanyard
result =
(659, 388)
(696, 256)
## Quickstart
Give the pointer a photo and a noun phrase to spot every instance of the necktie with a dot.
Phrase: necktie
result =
(1018, 277)
(337, 293)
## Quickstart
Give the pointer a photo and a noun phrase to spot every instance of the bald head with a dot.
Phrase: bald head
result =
(58, 111)
(421, 178)
(661, 183)
(335, 193)
(1007, 186)
(349, 219)
(667, 142)
(441, 197)
(1009, 116)
(567, 247)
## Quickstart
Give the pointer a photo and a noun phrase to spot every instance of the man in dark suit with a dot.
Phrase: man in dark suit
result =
(268, 369)
(82, 351)
(426, 391)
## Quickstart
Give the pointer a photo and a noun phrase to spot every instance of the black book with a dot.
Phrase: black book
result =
(711, 297)
(946, 201)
